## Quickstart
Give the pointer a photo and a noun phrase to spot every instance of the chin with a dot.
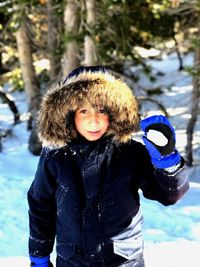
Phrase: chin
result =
(93, 139)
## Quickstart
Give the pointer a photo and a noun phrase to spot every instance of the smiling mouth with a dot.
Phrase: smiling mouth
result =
(93, 132)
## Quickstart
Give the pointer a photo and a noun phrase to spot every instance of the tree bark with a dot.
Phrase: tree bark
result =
(194, 115)
(89, 45)
(195, 103)
(30, 82)
(53, 41)
(8, 99)
(71, 59)
(178, 52)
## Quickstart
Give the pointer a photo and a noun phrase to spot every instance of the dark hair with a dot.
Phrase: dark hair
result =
(79, 70)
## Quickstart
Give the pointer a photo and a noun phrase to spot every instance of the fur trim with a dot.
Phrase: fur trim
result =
(56, 125)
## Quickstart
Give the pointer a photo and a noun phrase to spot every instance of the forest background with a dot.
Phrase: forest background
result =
(41, 41)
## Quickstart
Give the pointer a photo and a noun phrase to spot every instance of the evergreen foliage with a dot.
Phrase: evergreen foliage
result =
(121, 25)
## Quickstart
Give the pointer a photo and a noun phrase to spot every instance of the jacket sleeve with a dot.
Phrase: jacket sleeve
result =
(159, 184)
(42, 211)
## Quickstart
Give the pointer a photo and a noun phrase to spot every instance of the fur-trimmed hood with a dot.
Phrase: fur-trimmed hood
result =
(94, 85)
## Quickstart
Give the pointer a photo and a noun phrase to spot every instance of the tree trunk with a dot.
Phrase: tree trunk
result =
(178, 52)
(53, 41)
(194, 114)
(30, 82)
(195, 103)
(1, 65)
(71, 59)
(89, 45)
(8, 99)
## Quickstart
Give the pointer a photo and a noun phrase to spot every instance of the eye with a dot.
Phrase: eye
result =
(83, 111)
(102, 111)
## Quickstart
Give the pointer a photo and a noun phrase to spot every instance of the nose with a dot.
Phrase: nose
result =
(93, 119)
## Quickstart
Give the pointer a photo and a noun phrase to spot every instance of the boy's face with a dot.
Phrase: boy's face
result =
(91, 123)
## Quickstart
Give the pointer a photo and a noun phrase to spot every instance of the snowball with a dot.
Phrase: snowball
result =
(157, 138)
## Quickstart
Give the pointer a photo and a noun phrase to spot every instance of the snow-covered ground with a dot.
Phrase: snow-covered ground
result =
(171, 234)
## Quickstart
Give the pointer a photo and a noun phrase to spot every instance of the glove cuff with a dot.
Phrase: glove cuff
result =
(167, 161)
(39, 261)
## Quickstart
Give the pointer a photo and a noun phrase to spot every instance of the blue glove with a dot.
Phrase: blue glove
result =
(40, 262)
(160, 140)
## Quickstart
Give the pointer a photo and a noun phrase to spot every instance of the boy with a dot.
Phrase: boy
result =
(85, 191)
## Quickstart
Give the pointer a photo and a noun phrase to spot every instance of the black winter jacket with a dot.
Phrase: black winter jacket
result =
(86, 195)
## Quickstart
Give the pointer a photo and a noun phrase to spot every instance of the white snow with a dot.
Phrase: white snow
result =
(171, 234)
(157, 138)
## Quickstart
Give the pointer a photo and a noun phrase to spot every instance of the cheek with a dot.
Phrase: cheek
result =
(78, 122)
(106, 122)
(81, 124)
